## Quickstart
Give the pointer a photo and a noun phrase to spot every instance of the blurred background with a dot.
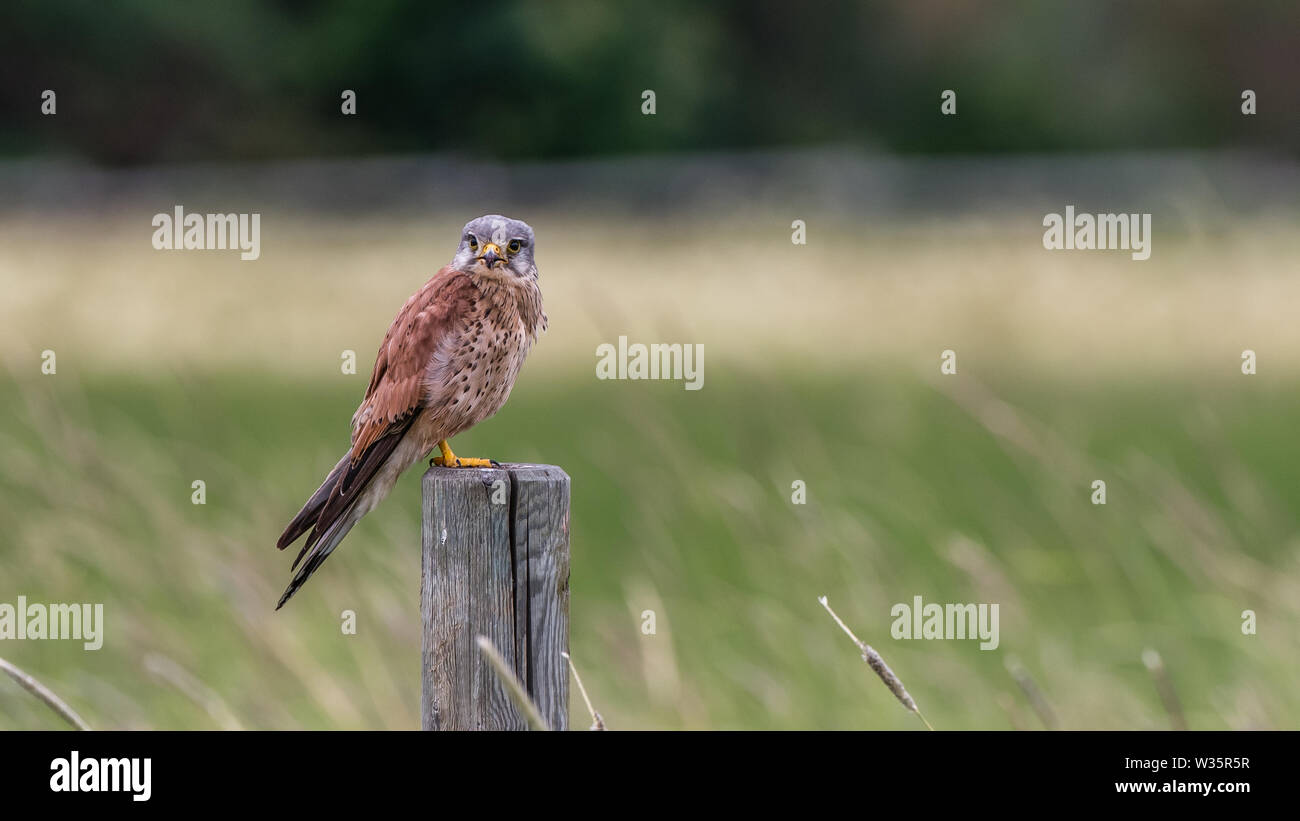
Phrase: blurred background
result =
(924, 233)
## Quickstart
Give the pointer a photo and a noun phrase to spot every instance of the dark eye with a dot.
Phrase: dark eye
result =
(473, 241)
(513, 246)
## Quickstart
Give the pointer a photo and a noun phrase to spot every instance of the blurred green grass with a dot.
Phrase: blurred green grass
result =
(940, 487)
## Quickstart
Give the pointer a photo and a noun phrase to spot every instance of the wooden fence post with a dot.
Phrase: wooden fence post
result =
(496, 564)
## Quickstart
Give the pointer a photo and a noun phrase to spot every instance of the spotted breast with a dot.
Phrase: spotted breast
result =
(472, 371)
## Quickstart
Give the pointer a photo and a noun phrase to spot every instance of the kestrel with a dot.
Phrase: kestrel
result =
(447, 363)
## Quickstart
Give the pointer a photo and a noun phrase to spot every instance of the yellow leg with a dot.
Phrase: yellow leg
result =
(451, 460)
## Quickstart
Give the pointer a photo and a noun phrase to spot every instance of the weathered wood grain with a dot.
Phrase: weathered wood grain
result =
(495, 563)
(540, 531)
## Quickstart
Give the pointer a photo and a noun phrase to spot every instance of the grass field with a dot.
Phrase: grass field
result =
(973, 487)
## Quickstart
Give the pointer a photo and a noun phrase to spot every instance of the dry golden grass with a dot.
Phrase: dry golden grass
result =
(98, 294)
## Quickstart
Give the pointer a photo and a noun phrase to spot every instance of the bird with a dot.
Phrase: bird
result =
(448, 361)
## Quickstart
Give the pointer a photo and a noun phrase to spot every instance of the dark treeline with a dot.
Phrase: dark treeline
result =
(154, 80)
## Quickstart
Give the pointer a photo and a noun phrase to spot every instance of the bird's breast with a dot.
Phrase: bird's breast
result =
(471, 375)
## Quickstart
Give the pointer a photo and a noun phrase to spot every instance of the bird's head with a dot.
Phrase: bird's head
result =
(494, 244)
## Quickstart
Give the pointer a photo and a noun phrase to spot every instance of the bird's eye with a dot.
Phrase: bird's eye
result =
(473, 242)
(513, 246)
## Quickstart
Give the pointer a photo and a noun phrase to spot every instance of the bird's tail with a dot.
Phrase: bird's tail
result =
(306, 520)
(310, 512)
(346, 495)
(320, 551)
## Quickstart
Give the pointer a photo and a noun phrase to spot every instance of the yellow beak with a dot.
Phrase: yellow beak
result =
(490, 253)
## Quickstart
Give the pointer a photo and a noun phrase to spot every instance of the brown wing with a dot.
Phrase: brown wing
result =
(397, 384)
(391, 405)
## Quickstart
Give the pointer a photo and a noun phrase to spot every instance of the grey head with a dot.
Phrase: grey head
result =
(494, 243)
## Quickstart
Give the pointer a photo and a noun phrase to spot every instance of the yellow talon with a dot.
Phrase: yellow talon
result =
(451, 460)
